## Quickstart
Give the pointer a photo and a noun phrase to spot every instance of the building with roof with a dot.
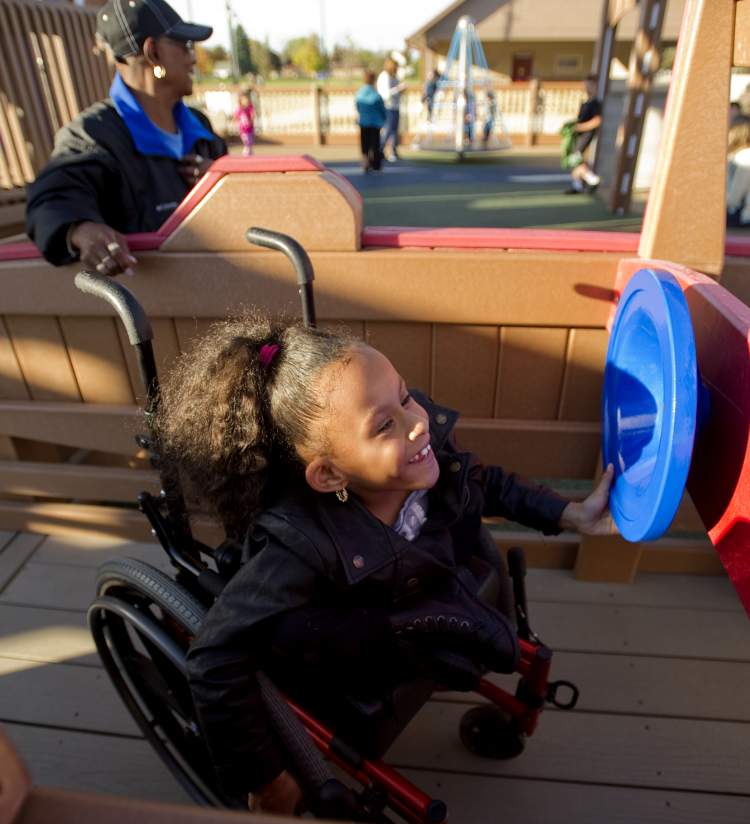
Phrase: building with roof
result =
(545, 39)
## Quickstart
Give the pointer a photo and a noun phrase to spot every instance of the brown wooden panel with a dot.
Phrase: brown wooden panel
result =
(87, 483)
(464, 368)
(530, 372)
(431, 286)
(41, 352)
(97, 359)
(607, 558)
(584, 374)
(319, 209)
(166, 350)
(86, 426)
(541, 449)
(12, 384)
(409, 348)
(742, 33)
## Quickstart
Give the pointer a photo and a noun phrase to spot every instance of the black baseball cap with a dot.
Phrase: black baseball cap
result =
(125, 24)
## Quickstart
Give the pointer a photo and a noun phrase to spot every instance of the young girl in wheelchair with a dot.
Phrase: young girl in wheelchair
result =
(360, 521)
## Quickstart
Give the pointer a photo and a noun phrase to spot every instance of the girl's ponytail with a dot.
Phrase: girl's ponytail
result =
(235, 408)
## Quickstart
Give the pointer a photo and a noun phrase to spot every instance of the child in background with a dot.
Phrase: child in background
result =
(245, 117)
(360, 519)
(578, 136)
(489, 123)
(371, 111)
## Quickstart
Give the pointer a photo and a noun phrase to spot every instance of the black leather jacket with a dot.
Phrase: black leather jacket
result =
(311, 549)
(96, 173)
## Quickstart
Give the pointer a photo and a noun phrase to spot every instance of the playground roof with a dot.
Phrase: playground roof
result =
(534, 20)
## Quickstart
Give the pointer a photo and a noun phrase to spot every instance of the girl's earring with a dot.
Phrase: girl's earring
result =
(342, 495)
(160, 72)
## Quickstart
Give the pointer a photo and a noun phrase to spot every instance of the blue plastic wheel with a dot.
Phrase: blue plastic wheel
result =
(650, 404)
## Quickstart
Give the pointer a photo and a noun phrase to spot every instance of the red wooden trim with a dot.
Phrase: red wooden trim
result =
(23, 250)
(231, 164)
(400, 237)
(719, 481)
(188, 204)
(737, 246)
(559, 240)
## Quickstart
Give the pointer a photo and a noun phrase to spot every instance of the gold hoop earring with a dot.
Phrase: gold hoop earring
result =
(342, 495)
(160, 72)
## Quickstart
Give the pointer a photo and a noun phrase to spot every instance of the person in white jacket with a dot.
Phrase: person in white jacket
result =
(738, 183)
(389, 88)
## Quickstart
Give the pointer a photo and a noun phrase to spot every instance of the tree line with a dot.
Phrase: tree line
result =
(304, 55)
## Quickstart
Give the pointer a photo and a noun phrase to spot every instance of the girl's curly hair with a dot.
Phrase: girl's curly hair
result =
(230, 424)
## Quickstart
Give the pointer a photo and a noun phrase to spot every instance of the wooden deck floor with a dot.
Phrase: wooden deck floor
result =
(661, 734)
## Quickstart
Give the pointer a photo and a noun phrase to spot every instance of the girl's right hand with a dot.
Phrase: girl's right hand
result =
(282, 795)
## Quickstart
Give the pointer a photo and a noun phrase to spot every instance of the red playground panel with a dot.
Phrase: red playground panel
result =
(719, 480)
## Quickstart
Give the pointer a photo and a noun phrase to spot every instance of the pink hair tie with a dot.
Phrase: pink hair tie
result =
(268, 353)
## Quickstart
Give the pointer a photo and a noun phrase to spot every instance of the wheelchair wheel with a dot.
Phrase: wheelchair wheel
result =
(490, 732)
(142, 622)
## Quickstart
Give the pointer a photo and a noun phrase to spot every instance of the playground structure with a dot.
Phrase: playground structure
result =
(467, 314)
(69, 389)
(464, 115)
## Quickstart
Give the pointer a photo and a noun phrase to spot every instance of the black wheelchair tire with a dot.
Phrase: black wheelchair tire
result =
(143, 654)
(173, 597)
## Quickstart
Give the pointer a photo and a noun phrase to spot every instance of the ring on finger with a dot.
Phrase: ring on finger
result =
(113, 246)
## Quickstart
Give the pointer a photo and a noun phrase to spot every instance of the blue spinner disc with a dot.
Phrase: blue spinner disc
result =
(649, 406)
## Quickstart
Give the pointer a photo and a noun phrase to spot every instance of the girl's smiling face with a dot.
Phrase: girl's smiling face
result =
(375, 436)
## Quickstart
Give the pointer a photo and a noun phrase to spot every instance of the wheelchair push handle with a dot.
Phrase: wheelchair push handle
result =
(131, 313)
(299, 259)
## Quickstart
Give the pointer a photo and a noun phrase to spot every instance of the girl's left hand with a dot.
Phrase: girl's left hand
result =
(592, 516)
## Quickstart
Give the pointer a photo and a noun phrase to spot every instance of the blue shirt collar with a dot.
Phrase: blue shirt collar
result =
(149, 139)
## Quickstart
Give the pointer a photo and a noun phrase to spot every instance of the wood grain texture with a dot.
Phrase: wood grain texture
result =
(79, 761)
(14, 555)
(84, 483)
(62, 695)
(581, 396)
(12, 384)
(39, 634)
(43, 358)
(97, 359)
(650, 752)
(409, 348)
(531, 368)
(479, 800)
(464, 368)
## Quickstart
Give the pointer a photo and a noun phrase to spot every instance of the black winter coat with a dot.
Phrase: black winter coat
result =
(311, 549)
(96, 173)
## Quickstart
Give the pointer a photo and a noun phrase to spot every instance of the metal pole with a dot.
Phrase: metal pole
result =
(323, 27)
(232, 42)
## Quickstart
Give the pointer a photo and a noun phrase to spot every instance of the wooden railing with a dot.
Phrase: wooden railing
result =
(50, 70)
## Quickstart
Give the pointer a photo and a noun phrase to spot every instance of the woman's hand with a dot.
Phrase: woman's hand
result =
(102, 249)
(592, 516)
(192, 167)
(282, 795)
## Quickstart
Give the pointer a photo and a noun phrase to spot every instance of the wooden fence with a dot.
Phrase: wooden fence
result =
(50, 69)
(533, 112)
